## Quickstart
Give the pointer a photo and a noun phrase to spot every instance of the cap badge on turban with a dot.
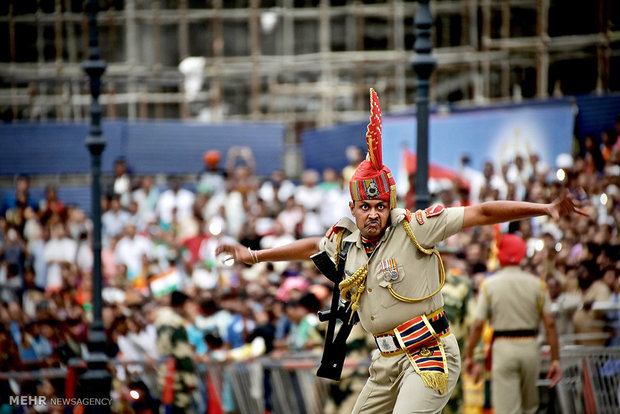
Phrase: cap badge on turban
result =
(373, 180)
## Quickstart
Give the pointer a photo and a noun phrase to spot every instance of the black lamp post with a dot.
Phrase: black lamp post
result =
(96, 381)
(423, 64)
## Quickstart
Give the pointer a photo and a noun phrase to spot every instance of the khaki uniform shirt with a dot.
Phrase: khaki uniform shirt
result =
(513, 300)
(418, 273)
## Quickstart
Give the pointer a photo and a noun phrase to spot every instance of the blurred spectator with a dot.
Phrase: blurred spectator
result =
(590, 321)
(211, 181)
(278, 238)
(121, 182)
(310, 197)
(302, 314)
(50, 205)
(240, 324)
(113, 221)
(276, 190)
(591, 153)
(475, 178)
(239, 157)
(133, 251)
(59, 251)
(175, 203)
(31, 294)
(335, 198)
(12, 207)
(146, 197)
(309, 194)
(13, 251)
(290, 218)
(607, 137)
(193, 244)
(494, 186)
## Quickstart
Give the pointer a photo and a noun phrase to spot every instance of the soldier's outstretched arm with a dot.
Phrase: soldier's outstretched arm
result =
(298, 250)
(492, 212)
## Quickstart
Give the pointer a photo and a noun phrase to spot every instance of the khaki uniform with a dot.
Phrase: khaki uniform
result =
(394, 385)
(513, 300)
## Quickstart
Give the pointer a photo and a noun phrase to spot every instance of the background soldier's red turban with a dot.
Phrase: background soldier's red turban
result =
(511, 250)
(372, 180)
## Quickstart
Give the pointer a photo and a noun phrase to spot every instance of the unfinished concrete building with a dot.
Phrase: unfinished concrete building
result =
(302, 62)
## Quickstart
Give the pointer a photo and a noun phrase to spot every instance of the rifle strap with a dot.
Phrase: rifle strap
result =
(341, 256)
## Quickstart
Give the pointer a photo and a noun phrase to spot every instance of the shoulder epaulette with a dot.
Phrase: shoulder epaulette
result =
(435, 210)
(419, 217)
(343, 224)
(408, 215)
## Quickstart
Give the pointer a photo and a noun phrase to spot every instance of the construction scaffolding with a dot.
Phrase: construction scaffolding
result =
(302, 62)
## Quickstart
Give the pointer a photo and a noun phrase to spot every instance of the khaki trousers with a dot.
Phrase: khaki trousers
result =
(395, 387)
(515, 370)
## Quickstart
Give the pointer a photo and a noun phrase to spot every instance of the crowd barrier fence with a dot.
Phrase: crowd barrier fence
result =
(591, 380)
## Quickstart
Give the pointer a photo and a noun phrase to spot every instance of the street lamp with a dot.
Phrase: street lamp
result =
(423, 64)
(96, 381)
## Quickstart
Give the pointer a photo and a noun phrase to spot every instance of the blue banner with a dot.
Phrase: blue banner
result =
(485, 135)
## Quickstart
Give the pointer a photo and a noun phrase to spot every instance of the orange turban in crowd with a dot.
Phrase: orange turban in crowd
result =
(211, 157)
(372, 180)
(511, 250)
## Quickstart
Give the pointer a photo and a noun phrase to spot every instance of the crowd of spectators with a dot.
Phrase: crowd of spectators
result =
(161, 237)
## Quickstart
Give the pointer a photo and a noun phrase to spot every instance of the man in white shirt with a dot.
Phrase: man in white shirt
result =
(57, 251)
(113, 221)
(146, 196)
(131, 251)
(176, 198)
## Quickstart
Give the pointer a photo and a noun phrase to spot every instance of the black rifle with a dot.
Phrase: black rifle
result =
(335, 349)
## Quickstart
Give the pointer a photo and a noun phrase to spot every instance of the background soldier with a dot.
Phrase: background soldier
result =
(514, 302)
(173, 345)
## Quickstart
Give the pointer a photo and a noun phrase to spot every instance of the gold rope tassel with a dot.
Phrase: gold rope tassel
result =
(338, 248)
(351, 288)
(435, 380)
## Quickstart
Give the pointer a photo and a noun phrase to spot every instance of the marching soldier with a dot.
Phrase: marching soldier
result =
(393, 276)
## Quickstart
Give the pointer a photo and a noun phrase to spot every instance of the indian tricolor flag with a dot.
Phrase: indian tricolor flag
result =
(165, 282)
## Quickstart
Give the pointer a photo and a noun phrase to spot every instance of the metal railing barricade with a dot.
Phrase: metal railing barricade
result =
(591, 380)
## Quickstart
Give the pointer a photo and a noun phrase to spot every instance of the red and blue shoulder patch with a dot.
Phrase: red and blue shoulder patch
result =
(435, 210)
